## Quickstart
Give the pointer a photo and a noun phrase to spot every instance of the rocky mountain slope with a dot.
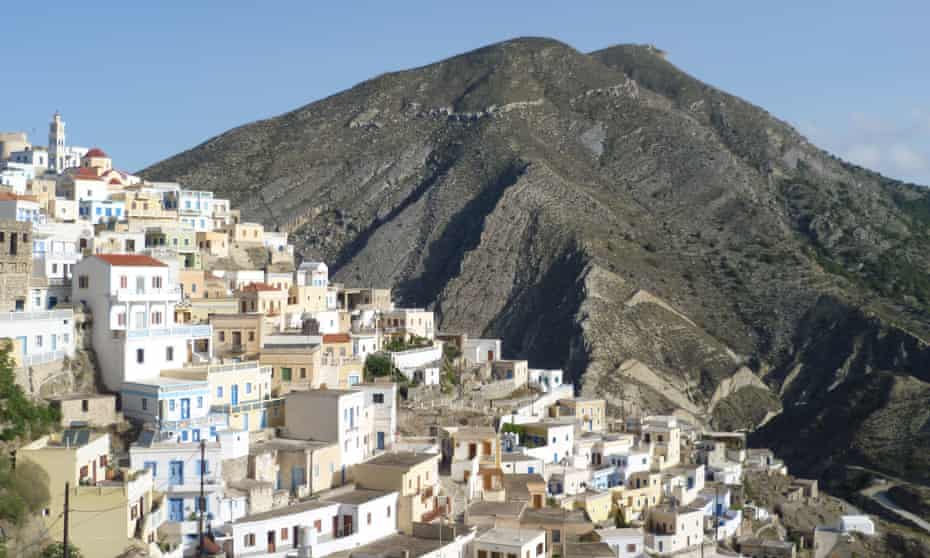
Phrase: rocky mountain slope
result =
(670, 245)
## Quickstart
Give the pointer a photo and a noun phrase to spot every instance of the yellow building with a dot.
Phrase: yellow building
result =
(415, 476)
(110, 506)
(213, 243)
(237, 335)
(589, 412)
(143, 206)
(293, 367)
(596, 505)
(246, 232)
(241, 390)
(306, 299)
(642, 491)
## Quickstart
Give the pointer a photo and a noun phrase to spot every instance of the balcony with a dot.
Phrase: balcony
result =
(33, 316)
(247, 406)
(171, 294)
(192, 331)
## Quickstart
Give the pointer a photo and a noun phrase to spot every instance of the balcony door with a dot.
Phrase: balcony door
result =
(140, 285)
(185, 409)
(176, 472)
(234, 394)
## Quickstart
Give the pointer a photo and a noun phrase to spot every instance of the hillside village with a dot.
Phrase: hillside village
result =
(213, 395)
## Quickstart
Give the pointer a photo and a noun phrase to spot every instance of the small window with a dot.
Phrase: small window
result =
(219, 392)
(140, 356)
(85, 406)
(369, 518)
(145, 404)
(222, 336)
(251, 336)
(284, 531)
(169, 354)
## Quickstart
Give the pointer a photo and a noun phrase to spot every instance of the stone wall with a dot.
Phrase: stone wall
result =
(15, 264)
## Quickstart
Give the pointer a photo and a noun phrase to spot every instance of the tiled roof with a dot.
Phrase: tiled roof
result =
(254, 287)
(86, 174)
(96, 152)
(130, 260)
(336, 338)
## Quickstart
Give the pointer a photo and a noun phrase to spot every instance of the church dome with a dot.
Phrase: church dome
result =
(96, 152)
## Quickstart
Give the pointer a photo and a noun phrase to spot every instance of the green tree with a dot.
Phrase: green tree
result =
(378, 366)
(57, 550)
(20, 417)
(23, 490)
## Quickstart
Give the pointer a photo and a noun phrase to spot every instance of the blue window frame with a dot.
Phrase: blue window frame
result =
(248, 387)
(99, 211)
(219, 392)
(151, 466)
(195, 435)
(184, 435)
(204, 466)
(175, 509)
(176, 472)
(171, 404)
(200, 402)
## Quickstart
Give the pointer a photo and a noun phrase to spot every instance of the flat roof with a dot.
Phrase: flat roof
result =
(592, 549)
(356, 496)
(553, 515)
(510, 537)
(306, 505)
(317, 393)
(287, 444)
(394, 545)
(621, 532)
(76, 396)
(401, 459)
(497, 508)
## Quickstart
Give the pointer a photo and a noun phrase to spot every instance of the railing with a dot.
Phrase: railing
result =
(203, 330)
(247, 406)
(41, 315)
(208, 420)
(42, 358)
(237, 367)
(130, 295)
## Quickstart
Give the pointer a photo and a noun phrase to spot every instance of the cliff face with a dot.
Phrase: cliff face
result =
(668, 244)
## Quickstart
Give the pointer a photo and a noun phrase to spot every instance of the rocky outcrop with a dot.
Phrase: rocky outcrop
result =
(661, 240)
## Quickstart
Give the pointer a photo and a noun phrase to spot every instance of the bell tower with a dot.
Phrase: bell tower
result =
(56, 142)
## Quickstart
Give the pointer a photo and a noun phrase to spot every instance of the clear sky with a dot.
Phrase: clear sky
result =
(145, 80)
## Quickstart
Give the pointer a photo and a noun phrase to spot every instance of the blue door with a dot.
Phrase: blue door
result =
(297, 478)
(264, 419)
(176, 472)
(185, 409)
(234, 394)
(380, 440)
(531, 470)
(175, 509)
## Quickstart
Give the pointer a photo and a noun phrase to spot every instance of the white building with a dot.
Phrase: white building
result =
(312, 274)
(856, 524)
(34, 158)
(626, 543)
(56, 248)
(133, 302)
(14, 207)
(179, 409)
(41, 337)
(102, 211)
(501, 541)
(381, 397)
(548, 380)
(478, 351)
(176, 471)
(332, 415)
(670, 530)
(195, 209)
(520, 464)
(337, 521)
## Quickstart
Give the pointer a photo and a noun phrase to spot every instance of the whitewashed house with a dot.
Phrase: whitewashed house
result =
(381, 397)
(133, 303)
(332, 415)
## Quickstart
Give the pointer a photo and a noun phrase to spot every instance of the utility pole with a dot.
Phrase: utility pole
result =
(202, 500)
(716, 516)
(67, 503)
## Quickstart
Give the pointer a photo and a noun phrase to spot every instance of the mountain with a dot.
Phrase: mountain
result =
(670, 245)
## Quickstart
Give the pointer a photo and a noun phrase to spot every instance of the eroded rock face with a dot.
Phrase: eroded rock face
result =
(607, 213)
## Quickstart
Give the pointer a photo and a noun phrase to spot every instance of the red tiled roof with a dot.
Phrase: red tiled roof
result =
(115, 180)
(9, 196)
(131, 260)
(336, 338)
(96, 152)
(254, 287)
(85, 174)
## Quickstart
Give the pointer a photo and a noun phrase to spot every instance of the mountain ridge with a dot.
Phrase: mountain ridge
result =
(528, 190)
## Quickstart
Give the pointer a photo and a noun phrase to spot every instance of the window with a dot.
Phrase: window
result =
(318, 525)
(169, 354)
(200, 402)
(156, 282)
(140, 356)
(540, 549)
(631, 548)
(219, 392)
(286, 374)
(556, 536)
(316, 470)
(369, 518)
(378, 398)
(38, 340)
(156, 318)
(84, 472)
(84, 405)
(171, 404)
(248, 540)
(83, 282)
(103, 461)
(248, 387)
(204, 467)
(284, 531)
(389, 511)
(303, 373)
(251, 336)
(222, 336)
(145, 403)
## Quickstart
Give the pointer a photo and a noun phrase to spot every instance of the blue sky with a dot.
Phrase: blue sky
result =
(145, 80)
